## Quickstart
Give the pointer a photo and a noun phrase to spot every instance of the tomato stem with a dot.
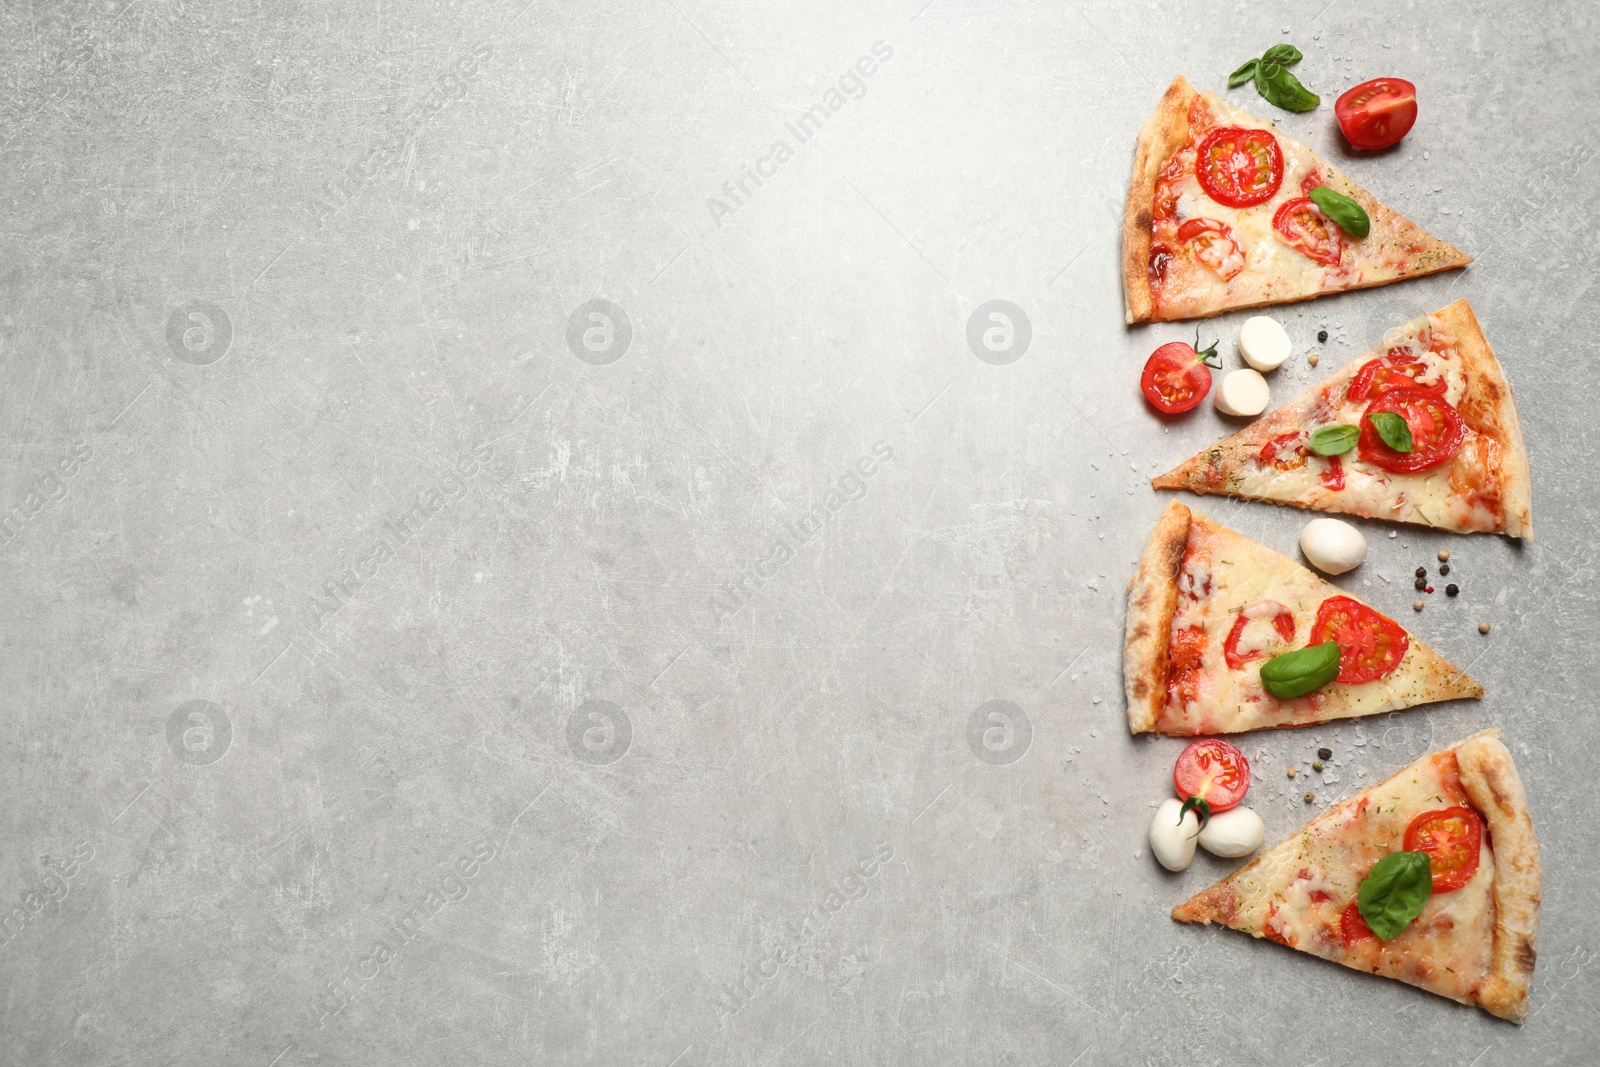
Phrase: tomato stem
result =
(1206, 355)
(1197, 804)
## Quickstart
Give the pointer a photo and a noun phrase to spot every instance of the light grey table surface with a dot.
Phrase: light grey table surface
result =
(372, 687)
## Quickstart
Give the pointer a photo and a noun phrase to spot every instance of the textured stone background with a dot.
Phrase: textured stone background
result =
(489, 765)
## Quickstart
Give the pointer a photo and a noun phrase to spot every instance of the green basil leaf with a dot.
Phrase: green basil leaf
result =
(1282, 89)
(1351, 216)
(1283, 54)
(1393, 429)
(1294, 674)
(1261, 74)
(1242, 75)
(1334, 440)
(1395, 892)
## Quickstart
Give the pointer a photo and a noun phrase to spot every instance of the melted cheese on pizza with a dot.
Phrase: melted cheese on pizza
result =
(1463, 493)
(1198, 274)
(1224, 577)
(1298, 896)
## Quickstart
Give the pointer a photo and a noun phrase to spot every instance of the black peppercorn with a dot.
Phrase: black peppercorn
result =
(1322, 336)
(1325, 753)
(1452, 589)
(1422, 572)
(1420, 584)
(1444, 568)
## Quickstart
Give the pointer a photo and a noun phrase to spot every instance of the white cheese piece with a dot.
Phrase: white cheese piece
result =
(1233, 833)
(1173, 841)
(1243, 392)
(1332, 546)
(1263, 343)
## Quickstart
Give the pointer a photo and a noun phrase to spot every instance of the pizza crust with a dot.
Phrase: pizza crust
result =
(1491, 781)
(1152, 600)
(1162, 134)
(1490, 408)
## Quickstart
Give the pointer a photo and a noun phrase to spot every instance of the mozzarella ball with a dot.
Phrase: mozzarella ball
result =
(1263, 343)
(1173, 841)
(1234, 833)
(1332, 546)
(1243, 392)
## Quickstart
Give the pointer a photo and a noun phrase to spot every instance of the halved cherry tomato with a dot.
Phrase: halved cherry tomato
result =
(1377, 113)
(1282, 621)
(1176, 377)
(1214, 771)
(1214, 245)
(1436, 431)
(1239, 167)
(1451, 837)
(1370, 645)
(1387, 373)
(1352, 927)
(1304, 227)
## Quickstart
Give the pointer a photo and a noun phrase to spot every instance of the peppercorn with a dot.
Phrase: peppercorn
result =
(1421, 572)
(1416, 605)
(1483, 627)
(1316, 765)
(1444, 554)
(1291, 772)
(1420, 584)
(1312, 359)
(1429, 589)
(1444, 568)
(1452, 589)
(1310, 797)
(1325, 753)
(1322, 336)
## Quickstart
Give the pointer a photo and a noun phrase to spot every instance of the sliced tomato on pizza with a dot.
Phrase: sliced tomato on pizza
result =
(1461, 464)
(1209, 610)
(1463, 925)
(1220, 216)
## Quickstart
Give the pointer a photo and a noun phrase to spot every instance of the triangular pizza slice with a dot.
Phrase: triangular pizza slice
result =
(1465, 467)
(1220, 217)
(1473, 940)
(1207, 608)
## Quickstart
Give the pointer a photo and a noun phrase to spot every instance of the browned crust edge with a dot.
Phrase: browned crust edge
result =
(1492, 402)
(1490, 778)
(1152, 600)
(1162, 134)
